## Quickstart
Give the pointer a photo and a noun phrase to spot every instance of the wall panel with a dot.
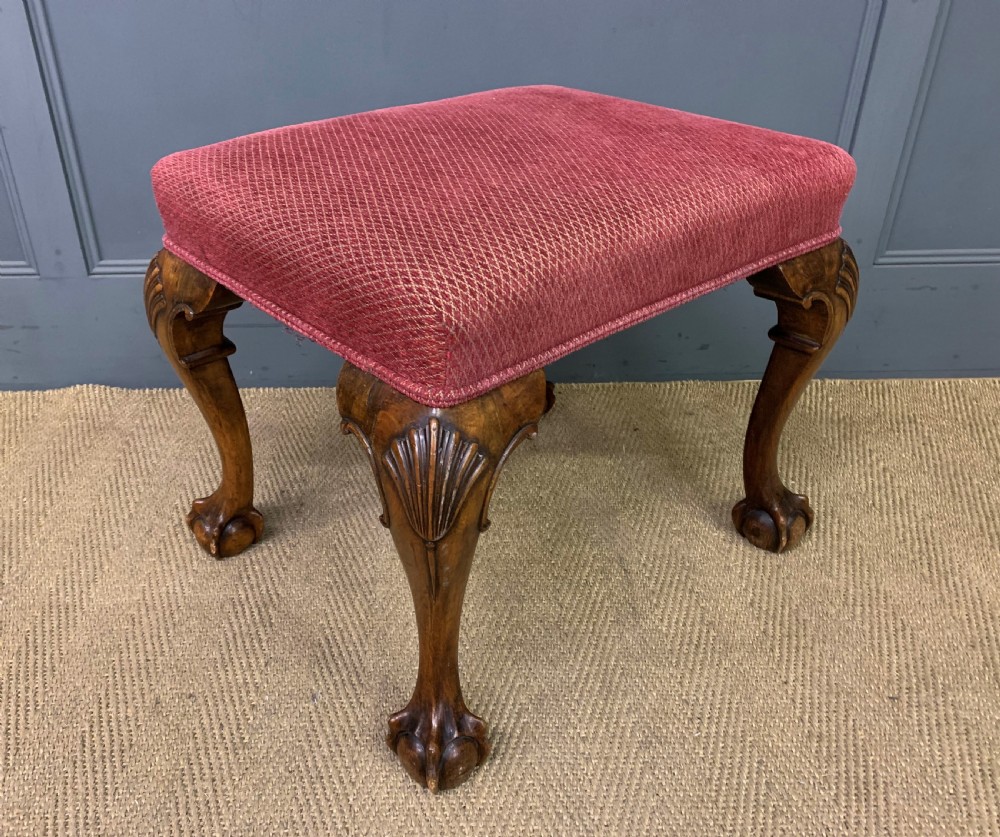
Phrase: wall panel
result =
(11, 251)
(15, 258)
(948, 208)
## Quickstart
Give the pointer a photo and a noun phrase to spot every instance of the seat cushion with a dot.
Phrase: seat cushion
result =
(452, 246)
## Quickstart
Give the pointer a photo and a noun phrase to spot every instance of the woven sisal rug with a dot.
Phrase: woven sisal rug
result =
(642, 669)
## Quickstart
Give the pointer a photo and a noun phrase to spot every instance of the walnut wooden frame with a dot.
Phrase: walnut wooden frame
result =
(186, 309)
(436, 468)
(815, 295)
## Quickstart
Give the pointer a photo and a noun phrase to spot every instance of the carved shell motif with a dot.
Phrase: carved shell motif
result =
(433, 470)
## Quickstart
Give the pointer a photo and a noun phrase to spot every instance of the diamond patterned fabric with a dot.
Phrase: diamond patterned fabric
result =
(451, 246)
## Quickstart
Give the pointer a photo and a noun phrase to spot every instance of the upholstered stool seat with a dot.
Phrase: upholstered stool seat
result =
(448, 251)
(453, 246)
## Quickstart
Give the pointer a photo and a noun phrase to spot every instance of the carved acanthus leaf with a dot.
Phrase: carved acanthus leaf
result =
(153, 294)
(349, 426)
(175, 289)
(848, 278)
(528, 431)
(828, 277)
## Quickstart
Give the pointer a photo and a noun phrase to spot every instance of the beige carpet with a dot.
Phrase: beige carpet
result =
(643, 670)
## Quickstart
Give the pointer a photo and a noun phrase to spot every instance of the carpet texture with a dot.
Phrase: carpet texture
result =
(643, 670)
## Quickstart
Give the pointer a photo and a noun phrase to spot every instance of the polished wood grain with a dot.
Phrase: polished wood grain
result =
(815, 295)
(186, 310)
(436, 470)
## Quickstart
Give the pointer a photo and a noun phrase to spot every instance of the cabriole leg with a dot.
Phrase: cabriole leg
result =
(186, 310)
(436, 470)
(815, 295)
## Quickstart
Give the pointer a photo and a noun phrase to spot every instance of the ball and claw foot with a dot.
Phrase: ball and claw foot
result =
(439, 750)
(221, 532)
(778, 526)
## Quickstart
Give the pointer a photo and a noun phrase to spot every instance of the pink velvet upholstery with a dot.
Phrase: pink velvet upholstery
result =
(452, 246)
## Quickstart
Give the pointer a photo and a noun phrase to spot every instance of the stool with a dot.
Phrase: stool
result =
(448, 251)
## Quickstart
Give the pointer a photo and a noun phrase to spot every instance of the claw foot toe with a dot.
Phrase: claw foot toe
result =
(223, 533)
(774, 526)
(440, 749)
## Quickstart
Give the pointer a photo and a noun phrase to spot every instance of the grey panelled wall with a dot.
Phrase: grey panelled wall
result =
(952, 211)
(11, 248)
(91, 94)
